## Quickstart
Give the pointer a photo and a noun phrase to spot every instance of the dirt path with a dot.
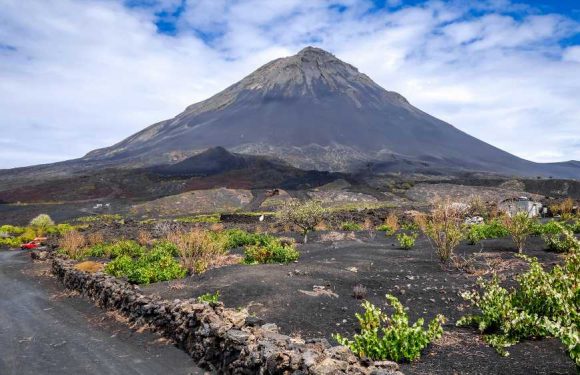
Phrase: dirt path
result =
(43, 331)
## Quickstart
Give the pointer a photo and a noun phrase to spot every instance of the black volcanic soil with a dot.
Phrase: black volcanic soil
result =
(275, 294)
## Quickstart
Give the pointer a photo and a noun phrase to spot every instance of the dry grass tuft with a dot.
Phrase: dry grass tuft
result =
(144, 238)
(217, 227)
(198, 249)
(392, 221)
(95, 238)
(72, 243)
(337, 236)
(90, 266)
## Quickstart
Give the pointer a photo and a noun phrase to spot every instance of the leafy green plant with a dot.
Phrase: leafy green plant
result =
(478, 232)
(406, 241)
(124, 247)
(349, 225)
(271, 252)
(105, 218)
(541, 304)
(305, 215)
(211, 219)
(12, 230)
(155, 265)
(410, 226)
(560, 239)
(209, 297)
(385, 228)
(384, 337)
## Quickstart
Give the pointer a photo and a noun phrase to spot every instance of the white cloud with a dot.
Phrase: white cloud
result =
(76, 75)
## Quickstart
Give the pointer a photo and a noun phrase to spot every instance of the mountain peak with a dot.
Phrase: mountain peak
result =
(310, 50)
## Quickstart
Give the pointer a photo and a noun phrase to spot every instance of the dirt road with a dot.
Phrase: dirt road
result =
(43, 331)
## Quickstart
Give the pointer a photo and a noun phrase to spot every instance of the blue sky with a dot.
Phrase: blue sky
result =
(76, 75)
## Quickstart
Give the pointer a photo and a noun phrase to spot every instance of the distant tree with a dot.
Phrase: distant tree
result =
(306, 215)
(41, 223)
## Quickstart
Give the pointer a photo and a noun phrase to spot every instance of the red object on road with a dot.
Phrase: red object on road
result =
(30, 245)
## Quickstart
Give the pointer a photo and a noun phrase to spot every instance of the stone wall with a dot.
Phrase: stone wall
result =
(223, 340)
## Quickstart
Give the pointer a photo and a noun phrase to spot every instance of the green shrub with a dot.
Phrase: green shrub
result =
(99, 250)
(410, 226)
(210, 219)
(493, 229)
(385, 228)
(12, 230)
(209, 297)
(11, 242)
(235, 238)
(106, 218)
(124, 247)
(541, 304)
(384, 337)
(406, 241)
(59, 229)
(271, 252)
(560, 239)
(157, 264)
(349, 225)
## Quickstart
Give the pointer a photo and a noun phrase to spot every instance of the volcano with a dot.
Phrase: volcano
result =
(315, 111)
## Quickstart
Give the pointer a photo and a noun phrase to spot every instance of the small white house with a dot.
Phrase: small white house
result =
(512, 206)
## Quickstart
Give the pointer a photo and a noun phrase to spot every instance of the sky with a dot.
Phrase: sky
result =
(76, 75)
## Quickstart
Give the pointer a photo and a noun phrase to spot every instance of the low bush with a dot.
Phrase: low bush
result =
(272, 252)
(72, 244)
(559, 238)
(493, 229)
(59, 229)
(352, 226)
(384, 337)
(406, 241)
(385, 228)
(541, 304)
(12, 230)
(197, 248)
(209, 297)
(210, 219)
(90, 266)
(234, 238)
(104, 218)
(157, 264)
(114, 250)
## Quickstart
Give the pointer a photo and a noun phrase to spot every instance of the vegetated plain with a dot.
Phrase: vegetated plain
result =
(314, 289)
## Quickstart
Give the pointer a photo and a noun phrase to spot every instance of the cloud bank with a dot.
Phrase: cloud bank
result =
(76, 75)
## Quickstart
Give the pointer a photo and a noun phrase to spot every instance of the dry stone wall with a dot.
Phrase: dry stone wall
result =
(225, 341)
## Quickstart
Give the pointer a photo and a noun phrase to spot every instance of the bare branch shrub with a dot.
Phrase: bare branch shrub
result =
(197, 249)
(359, 291)
(520, 226)
(72, 243)
(144, 238)
(95, 238)
(444, 227)
(392, 221)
